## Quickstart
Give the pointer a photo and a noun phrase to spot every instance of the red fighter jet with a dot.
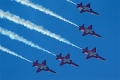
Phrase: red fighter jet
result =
(92, 53)
(88, 31)
(66, 60)
(86, 8)
(42, 66)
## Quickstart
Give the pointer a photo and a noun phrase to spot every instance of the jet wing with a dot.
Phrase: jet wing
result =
(68, 56)
(82, 11)
(38, 70)
(81, 27)
(62, 63)
(84, 34)
(90, 27)
(88, 57)
(44, 62)
(94, 49)
(88, 5)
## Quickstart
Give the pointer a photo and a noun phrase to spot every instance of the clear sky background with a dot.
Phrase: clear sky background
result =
(107, 25)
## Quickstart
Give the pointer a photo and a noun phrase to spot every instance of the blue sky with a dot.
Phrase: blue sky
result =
(107, 25)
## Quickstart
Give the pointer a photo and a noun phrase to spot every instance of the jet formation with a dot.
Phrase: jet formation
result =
(66, 59)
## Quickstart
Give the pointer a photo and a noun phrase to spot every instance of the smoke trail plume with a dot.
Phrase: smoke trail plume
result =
(43, 9)
(13, 53)
(32, 26)
(15, 36)
(72, 2)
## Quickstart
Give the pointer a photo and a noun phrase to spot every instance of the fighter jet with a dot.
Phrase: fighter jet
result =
(66, 60)
(92, 53)
(86, 8)
(88, 31)
(42, 66)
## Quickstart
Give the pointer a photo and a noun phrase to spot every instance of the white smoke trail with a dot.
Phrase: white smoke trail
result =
(72, 2)
(43, 9)
(12, 35)
(13, 53)
(32, 26)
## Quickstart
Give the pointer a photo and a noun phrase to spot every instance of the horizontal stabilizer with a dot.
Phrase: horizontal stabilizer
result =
(85, 50)
(79, 5)
(59, 56)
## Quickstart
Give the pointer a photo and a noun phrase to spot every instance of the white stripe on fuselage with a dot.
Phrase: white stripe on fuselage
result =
(84, 8)
(79, 8)
(66, 60)
(88, 31)
(92, 53)
(43, 67)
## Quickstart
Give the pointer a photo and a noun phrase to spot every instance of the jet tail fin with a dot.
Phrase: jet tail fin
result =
(79, 5)
(59, 56)
(81, 27)
(84, 50)
(35, 63)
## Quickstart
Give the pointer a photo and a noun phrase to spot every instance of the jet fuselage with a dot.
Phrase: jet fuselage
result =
(91, 53)
(87, 30)
(85, 8)
(41, 66)
(64, 59)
